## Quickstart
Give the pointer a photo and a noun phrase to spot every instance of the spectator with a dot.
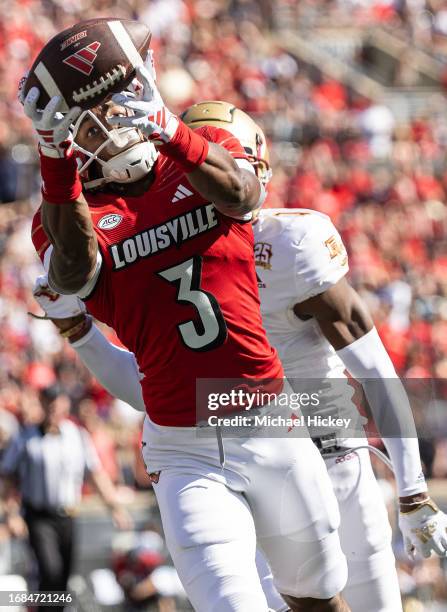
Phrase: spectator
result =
(383, 181)
(49, 460)
(144, 577)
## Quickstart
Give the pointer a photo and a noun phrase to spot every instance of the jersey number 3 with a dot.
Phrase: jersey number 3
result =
(208, 331)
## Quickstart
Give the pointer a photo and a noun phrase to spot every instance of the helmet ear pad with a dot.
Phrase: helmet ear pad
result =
(131, 164)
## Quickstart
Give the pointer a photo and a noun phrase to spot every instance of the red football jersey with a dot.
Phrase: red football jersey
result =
(178, 284)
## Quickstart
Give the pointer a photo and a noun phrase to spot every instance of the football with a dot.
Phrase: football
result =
(86, 63)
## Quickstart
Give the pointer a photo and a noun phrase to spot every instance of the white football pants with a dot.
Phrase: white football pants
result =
(365, 536)
(276, 492)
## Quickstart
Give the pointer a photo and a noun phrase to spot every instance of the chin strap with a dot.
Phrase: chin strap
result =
(40, 317)
(131, 157)
(126, 167)
(96, 183)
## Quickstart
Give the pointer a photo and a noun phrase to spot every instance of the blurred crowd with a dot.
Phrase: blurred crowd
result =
(421, 22)
(383, 183)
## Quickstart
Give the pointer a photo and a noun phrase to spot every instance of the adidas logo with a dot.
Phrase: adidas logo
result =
(84, 59)
(181, 193)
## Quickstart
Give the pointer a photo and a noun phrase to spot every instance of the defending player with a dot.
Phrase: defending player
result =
(366, 538)
(321, 327)
(158, 247)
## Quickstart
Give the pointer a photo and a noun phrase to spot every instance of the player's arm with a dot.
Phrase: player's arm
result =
(74, 258)
(234, 190)
(65, 213)
(115, 368)
(210, 167)
(340, 312)
(346, 323)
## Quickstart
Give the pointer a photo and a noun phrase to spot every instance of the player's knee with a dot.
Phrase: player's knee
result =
(327, 584)
(232, 593)
(323, 576)
(334, 604)
(376, 576)
(220, 578)
(374, 567)
(331, 573)
(240, 602)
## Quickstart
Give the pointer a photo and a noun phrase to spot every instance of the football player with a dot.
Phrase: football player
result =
(319, 271)
(321, 328)
(153, 232)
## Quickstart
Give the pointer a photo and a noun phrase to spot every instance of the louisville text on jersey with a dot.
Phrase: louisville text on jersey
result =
(174, 232)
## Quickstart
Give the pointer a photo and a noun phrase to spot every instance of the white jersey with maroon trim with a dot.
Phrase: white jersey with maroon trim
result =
(298, 254)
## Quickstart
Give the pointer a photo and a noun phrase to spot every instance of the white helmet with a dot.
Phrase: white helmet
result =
(132, 159)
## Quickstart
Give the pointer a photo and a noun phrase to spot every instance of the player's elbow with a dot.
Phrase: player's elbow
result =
(242, 194)
(69, 283)
(237, 189)
(356, 318)
(69, 272)
(238, 192)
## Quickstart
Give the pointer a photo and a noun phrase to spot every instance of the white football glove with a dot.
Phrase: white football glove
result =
(21, 87)
(136, 87)
(424, 530)
(56, 306)
(150, 114)
(52, 127)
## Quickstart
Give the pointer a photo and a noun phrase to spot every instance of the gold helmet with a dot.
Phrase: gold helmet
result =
(227, 116)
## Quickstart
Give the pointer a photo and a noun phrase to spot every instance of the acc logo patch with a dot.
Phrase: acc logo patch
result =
(109, 221)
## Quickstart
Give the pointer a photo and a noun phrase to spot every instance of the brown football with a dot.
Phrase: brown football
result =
(87, 62)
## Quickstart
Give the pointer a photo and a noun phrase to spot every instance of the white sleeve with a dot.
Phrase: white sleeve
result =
(367, 360)
(89, 286)
(115, 368)
(321, 258)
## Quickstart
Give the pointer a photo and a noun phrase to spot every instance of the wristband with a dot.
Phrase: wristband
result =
(61, 183)
(79, 330)
(427, 502)
(187, 148)
(413, 505)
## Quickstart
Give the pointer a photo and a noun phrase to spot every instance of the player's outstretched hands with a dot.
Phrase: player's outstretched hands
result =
(52, 127)
(424, 530)
(149, 113)
(56, 306)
